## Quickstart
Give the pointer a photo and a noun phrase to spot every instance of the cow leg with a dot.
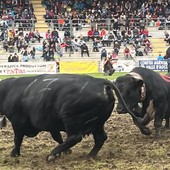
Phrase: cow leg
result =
(18, 137)
(99, 138)
(70, 142)
(158, 125)
(58, 138)
(167, 126)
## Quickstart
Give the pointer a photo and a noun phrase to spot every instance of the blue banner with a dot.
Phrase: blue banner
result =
(154, 64)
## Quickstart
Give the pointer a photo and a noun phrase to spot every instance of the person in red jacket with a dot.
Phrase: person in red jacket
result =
(90, 34)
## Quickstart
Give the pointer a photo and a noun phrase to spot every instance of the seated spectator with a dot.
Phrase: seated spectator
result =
(84, 49)
(111, 39)
(27, 38)
(103, 32)
(105, 40)
(10, 58)
(68, 44)
(76, 44)
(38, 36)
(90, 34)
(127, 53)
(96, 45)
(96, 34)
(15, 58)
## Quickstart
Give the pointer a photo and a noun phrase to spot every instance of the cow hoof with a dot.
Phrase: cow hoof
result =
(51, 158)
(145, 131)
(14, 154)
(67, 152)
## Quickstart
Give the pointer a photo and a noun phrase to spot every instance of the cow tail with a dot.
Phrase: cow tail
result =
(119, 96)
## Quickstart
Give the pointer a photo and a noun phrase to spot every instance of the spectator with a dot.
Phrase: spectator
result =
(55, 36)
(90, 34)
(103, 54)
(32, 53)
(84, 49)
(15, 58)
(108, 67)
(127, 53)
(96, 34)
(132, 52)
(10, 58)
(96, 45)
(160, 57)
(105, 40)
(167, 38)
(25, 54)
(48, 35)
(38, 36)
(68, 44)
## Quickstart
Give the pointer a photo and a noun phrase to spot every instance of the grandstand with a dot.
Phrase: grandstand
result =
(42, 24)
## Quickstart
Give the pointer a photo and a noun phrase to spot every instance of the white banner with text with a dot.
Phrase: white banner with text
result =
(15, 68)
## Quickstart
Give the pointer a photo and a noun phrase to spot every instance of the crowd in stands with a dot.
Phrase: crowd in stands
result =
(112, 23)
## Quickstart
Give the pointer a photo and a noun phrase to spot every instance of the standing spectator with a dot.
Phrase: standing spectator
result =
(48, 35)
(25, 55)
(84, 48)
(55, 35)
(160, 57)
(103, 54)
(132, 52)
(32, 53)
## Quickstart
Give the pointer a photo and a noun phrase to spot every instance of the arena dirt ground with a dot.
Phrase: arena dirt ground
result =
(125, 149)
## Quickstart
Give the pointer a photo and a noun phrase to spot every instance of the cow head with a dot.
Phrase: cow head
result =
(131, 88)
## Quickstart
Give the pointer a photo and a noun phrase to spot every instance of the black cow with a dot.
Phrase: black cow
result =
(76, 104)
(151, 90)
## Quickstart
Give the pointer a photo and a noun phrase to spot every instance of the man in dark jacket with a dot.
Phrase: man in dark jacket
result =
(84, 48)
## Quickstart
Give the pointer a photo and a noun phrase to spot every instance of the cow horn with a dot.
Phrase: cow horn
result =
(118, 94)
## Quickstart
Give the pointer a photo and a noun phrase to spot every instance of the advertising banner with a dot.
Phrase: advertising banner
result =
(154, 64)
(79, 67)
(15, 68)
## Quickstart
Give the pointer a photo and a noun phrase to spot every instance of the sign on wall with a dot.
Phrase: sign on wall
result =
(154, 64)
(27, 68)
(79, 67)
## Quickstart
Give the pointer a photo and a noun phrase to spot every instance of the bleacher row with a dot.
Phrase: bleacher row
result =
(158, 44)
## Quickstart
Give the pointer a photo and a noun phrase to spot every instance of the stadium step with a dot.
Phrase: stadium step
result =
(159, 46)
(39, 12)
